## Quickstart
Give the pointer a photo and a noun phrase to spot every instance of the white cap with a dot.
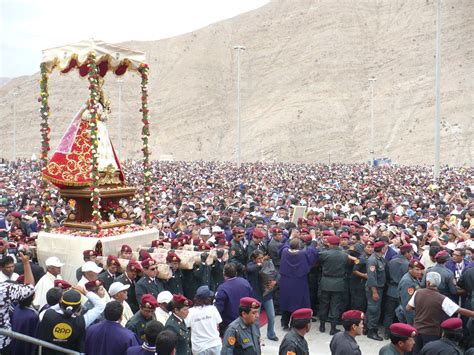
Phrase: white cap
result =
(216, 229)
(205, 231)
(116, 287)
(53, 261)
(164, 297)
(91, 266)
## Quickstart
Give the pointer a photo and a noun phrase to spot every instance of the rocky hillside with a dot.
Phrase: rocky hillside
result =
(304, 86)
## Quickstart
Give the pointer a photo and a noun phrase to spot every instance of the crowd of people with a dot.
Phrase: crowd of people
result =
(386, 253)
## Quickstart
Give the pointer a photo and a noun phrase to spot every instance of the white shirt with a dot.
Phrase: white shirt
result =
(203, 321)
(448, 306)
(42, 287)
(4, 277)
(161, 316)
(126, 314)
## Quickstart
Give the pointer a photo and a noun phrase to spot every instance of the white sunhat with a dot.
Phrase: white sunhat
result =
(164, 297)
(205, 231)
(117, 287)
(217, 229)
(53, 261)
(91, 266)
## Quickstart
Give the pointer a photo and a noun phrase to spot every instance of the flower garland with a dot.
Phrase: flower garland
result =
(45, 147)
(93, 105)
(144, 69)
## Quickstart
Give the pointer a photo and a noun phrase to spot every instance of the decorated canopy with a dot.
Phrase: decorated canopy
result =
(108, 57)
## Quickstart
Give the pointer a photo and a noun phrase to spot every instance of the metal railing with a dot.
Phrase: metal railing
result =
(37, 342)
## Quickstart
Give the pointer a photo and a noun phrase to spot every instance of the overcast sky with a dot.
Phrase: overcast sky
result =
(28, 26)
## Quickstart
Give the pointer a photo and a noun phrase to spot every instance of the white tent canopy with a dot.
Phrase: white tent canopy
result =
(108, 56)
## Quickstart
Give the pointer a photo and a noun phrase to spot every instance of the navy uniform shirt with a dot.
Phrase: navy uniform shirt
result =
(237, 253)
(442, 346)
(293, 344)
(241, 339)
(375, 271)
(406, 288)
(396, 268)
(333, 264)
(342, 343)
(389, 349)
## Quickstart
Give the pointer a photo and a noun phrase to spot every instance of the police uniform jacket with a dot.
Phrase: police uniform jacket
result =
(396, 268)
(342, 343)
(293, 344)
(376, 276)
(361, 266)
(175, 283)
(107, 278)
(237, 253)
(178, 326)
(148, 285)
(466, 282)
(241, 339)
(441, 346)
(333, 264)
(274, 251)
(389, 349)
(447, 286)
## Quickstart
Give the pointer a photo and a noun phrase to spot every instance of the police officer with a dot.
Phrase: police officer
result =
(407, 286)
(243, 335)
(258, 236)
(359, 278)
(448, 282)
(129, 277)
(175, 283)
(344, 342)
(88, 255)
(452, 333)
(176, 324)
(140, 319)
(274, 246)
(237, 254)
(396, 268)
(294, 341)
(333, 263)
(374, 289)
(111, 272)
(149, 282)
(63, 325)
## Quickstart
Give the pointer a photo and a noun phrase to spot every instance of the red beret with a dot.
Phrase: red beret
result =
(29, 240)
(156, 243)
(310, 223)
(333, 240)
(249, 302)
(238, 230)
(62, 283)
(223, 242)
(302, 313)
(149, 301)
(144, 255)
(91, 285)
(276, 230)
(406, 247)
(369, 242)
(379, 244)
(443, 254)
(2, 242)
(20, 279)
(416, 263)
(176, 243)
(352, 314)
(16, 214)
(172, 257)
(258, 233)
(204, 246)
(126, 249)
(181, 300)
(307, 238)
(148, 262)
(89, 253)
(134, 266)
(344, 235)
(113, 260)
(328, 232)
(452, 324)
(403, 330)
(304, 231)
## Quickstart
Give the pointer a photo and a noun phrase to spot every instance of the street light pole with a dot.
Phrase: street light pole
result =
(437, 84)
(14, 125)
(372, 135)
(238, 49)
(120, 81)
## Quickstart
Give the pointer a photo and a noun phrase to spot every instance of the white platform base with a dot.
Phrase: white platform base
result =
(69, 248)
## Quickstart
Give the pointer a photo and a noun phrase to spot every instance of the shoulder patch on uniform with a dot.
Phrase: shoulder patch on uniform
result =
(246, 340)
(372, 268)
(290, 353)
(356, 261)
(231, 341)
(411, 291)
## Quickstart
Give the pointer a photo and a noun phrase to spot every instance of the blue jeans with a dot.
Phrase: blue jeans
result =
(270, 310)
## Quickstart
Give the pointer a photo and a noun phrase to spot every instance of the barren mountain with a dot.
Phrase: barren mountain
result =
(304, 87)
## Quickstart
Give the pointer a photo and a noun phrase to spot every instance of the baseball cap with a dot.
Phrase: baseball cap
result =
(204, 292)
(164, 297)
(53, 261)
(117, 287)
(91, 266)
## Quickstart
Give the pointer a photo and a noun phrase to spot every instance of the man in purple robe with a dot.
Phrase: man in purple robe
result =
(25, 321)
(295, 264)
